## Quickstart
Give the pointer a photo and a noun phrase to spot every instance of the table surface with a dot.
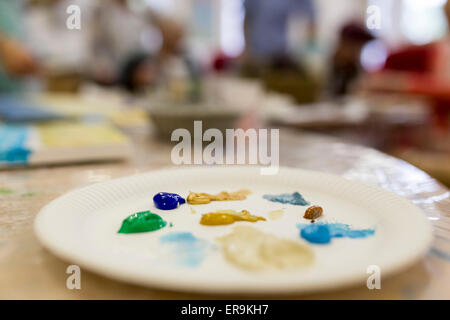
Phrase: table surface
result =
(28, 271)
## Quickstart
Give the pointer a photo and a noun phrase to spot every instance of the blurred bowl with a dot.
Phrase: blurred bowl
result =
(63, 81)
(171, 117)
(303, 88)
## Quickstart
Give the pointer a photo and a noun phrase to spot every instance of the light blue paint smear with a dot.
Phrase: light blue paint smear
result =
(13, 149)
(295, 198)
(322, 233)
(188, 249)
(440, 254)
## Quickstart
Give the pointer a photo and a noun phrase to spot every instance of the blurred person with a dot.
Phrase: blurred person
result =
(423, 70)
(180, 73)
(266, 30)
(63, 53)
(267, 54)
(121, 39)
(346, 62)
(129, 45)
(139, 72)
(431, 60)
(15, 59)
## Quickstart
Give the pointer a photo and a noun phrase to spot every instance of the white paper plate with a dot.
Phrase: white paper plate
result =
(81, 227)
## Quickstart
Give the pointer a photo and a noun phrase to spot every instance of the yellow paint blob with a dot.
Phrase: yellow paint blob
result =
(193, 210)
(203, 198)
(275, 214)
(224, 217)
(250, 249)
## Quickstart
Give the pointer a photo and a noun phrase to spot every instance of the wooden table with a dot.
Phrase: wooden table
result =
(28, 271)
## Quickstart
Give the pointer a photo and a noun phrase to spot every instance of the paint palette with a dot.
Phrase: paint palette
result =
(82, 227)
(61, 142)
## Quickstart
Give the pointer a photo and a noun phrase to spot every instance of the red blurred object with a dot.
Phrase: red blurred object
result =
(221, 61)
(420, 61)
(414, 58)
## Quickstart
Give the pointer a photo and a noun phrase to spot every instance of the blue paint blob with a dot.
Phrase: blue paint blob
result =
(295, 198)
(322, 233)
(167, 201)
(187, 249)
(316, 233)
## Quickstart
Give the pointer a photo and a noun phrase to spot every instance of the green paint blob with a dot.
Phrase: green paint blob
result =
(142, 222)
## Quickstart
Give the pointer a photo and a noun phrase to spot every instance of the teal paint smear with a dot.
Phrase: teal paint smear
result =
(13, 147)
(323, 233)
(188, 249)
(286, 198)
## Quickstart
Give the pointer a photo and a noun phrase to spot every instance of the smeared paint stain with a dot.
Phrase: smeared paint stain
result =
(440, 254)
(224, 217)
(186, 249)
(193, 210)
(323, 233)
(275, 214)
(28, 194)
(204, 198)
(167, 201)
(6, 191)
(250, 249)
(286, 198)
(142, 222)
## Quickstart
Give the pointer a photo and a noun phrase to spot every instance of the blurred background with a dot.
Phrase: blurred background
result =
(82, 80)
